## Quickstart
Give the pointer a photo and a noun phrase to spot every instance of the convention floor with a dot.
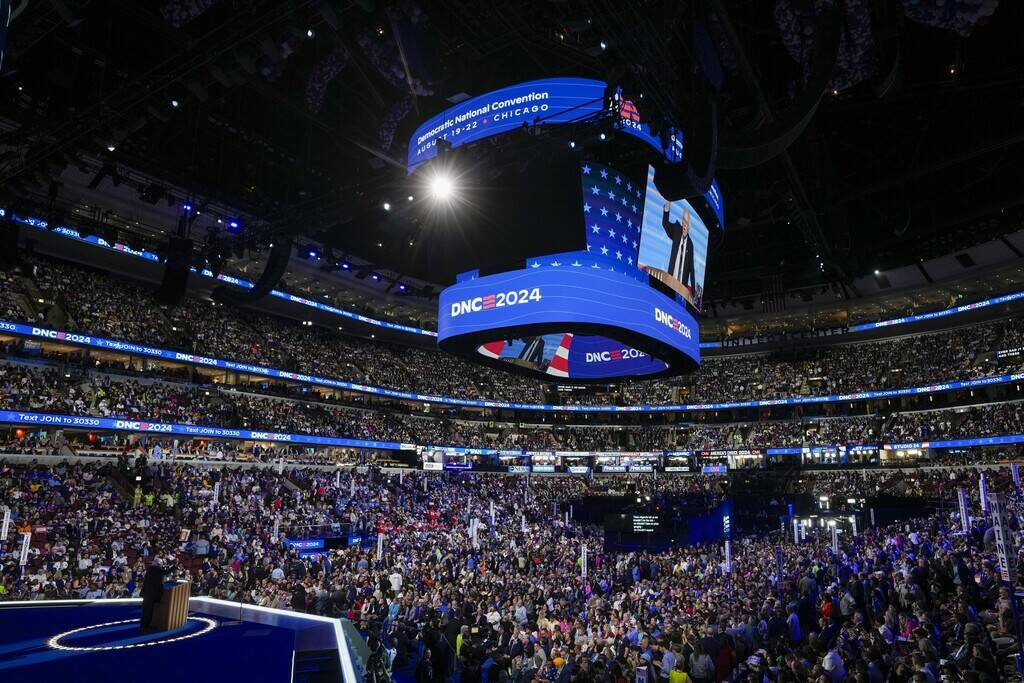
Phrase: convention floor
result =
(102, 643)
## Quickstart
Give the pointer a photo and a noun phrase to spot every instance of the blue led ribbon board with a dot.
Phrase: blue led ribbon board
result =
(549, 100)
(569, 318)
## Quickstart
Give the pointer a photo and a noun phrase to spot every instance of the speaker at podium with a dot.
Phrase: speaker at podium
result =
(172, 610)
(164, 603)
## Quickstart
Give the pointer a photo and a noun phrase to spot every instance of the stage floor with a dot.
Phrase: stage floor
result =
(102, 642)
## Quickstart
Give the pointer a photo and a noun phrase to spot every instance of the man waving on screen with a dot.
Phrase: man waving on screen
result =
(680, 262)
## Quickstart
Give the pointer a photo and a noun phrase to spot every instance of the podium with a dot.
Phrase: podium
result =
(172, 610)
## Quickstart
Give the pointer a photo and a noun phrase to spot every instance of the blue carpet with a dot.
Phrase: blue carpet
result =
(247, 652)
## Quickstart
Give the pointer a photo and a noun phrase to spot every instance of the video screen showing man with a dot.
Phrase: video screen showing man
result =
(673, 244)
(680, 260)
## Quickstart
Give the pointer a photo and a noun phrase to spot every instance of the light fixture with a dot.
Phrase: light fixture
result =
(604, 45)
(572, 144)
(309, 33)
(603, 136)
(174, 103)
(56, 644)
(441, 186)
(410, 198)
(876, 272)
(111, 147)
(387, 206)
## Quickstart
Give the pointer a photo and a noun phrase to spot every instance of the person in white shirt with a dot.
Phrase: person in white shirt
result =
(521, 614)
(833, 665)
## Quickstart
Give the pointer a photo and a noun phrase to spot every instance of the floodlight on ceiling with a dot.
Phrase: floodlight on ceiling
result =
(442, 188)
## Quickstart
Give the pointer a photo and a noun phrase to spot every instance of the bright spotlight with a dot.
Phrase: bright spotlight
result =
(572, 144)
(441, 187)
(387, 206)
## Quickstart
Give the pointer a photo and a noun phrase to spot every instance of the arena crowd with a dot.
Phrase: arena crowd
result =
(912, 601)
(100, 304)
(48, 389)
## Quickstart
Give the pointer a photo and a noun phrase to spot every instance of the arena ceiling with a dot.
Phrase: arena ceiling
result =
(296, 114)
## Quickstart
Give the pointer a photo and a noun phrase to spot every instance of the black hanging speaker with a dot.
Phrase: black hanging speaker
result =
(693, 177)
(277, 264)
(175, 280)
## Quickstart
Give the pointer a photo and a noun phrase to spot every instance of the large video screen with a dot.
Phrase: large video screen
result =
(573, 356)
(613, 208)
(438, 459)
(673, 244)
(568, 316)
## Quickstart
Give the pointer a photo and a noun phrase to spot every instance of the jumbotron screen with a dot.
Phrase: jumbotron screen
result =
(584, 356)
(674, 244)
(632, 222)
(629, 224)
(620, 306)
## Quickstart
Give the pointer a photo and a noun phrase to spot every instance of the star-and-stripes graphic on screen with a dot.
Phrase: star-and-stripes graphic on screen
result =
(612, 212)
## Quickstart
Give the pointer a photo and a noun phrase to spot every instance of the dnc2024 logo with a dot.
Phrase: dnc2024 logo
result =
(614, 355)
(489, 302)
